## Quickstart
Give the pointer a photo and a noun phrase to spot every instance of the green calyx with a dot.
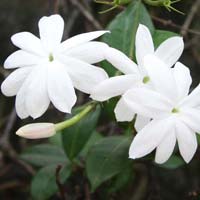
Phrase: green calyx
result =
(166, 3)
(146, 79)
(175, 110)
(51, 58)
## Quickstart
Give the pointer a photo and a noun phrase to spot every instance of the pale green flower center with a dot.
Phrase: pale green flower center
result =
(51, 58)
(175, 110)
(146, 79)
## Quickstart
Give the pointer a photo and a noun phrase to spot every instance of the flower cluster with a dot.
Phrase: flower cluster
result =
(155, 91)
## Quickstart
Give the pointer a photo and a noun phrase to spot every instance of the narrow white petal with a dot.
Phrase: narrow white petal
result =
(113, 86)
(28, 42)
(20, 102)
(170, 50)
(14, 81)
(143, 43)
(122, 112)
(120, 61)
(183, 79)
(149, 138)
(148, 103)
(90, 52)
(83, 75)
(60, 89)
(187, 141)
(161, 76)
(193, 99)
(80, 39)
(51, 31)
(21, 58)
(191, 117)
(141, 122)
(37, 100)
(166, 147)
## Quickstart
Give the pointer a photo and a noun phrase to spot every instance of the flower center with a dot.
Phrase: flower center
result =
(51, 58)
(175, 110)
(146, 79)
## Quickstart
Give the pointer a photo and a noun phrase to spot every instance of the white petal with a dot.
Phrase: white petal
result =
(20, 102)
(14, 81)
(90, 52)
(114, 86)
(149, 138)
(193, 99)
(191, 117)
(166, 147)
(21, 58)
(187, 141)
(143, 43)
(161, 76)
(170, 50)
(28, 42)
(51, 31)
(122, 112)
(37, 100)
(141, 122)
(80, 39)
(183, 79)
(83, 75)
(120, 61)
(60, 88)
(148, 103)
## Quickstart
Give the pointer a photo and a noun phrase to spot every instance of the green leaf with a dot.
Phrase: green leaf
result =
(123, 30)
(75, 137)
(106, 159)
(173, 163)
(43, 155)
(44, 185)
(160, 36)
(95, 137)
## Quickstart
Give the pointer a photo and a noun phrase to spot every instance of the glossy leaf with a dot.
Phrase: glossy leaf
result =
(43, 155)
(106, 159)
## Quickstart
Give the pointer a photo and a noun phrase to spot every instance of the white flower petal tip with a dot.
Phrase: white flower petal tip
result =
(37, 131)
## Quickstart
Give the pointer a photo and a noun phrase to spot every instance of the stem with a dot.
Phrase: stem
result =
(62, 125)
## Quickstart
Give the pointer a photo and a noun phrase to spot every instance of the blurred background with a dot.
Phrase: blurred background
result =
(82, 16)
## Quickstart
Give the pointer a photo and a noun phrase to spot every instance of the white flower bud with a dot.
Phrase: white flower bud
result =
(37, 130)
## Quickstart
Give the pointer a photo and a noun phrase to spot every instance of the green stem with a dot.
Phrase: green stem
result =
(62, 125)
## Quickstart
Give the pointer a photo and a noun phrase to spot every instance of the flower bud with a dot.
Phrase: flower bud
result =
(37, 131)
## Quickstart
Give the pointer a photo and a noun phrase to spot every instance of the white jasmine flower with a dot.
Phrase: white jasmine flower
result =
(48, 69)
(175, 114)
(135, 75)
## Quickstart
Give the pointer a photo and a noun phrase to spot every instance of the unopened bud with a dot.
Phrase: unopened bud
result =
(37, 131)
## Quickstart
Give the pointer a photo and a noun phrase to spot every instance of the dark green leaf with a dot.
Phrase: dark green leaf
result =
(106, 159)
(43, 155)
(123, 30)
(44, 184)
(160, 36)
(75, 137)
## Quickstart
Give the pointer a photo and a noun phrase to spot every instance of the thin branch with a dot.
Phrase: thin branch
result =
(86, 14)
(172, 24)
(188, 21)
(58, 182)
